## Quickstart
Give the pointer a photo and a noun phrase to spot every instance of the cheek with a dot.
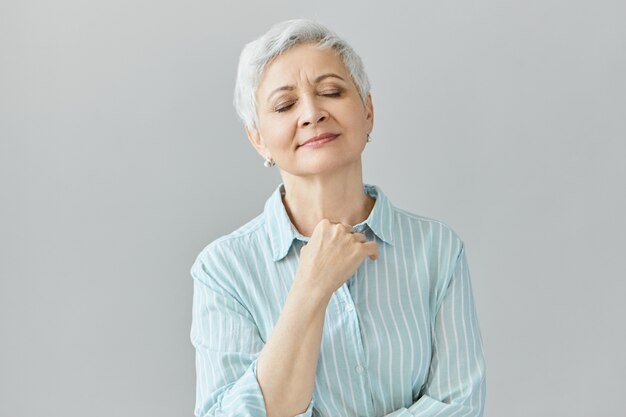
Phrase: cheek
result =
(283, 134)
(353, 113)
(278, 131)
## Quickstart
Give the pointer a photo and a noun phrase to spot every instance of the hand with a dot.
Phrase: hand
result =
(331, 256)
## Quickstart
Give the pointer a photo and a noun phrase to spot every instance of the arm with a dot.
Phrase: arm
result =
(456, 383)
(236, 374)
(288, 362)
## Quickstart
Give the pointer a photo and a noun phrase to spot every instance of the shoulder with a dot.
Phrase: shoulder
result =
(223, 252)
(430, 230)
(437, 244)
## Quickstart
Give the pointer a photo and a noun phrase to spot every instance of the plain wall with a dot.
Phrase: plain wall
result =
(121, 157)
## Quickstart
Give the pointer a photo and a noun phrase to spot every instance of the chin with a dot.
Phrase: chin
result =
(321, 167)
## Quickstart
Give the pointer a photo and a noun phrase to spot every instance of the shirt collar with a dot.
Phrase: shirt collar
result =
(282, 232)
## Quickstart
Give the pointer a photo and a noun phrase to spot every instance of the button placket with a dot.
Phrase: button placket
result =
(345, 297)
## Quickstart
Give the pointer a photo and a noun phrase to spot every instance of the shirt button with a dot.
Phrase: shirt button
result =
(349, 308)
(359, 369)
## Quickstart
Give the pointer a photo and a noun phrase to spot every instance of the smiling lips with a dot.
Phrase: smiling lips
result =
(320, 139)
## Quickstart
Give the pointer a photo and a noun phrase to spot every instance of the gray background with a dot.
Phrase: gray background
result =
(121, 157)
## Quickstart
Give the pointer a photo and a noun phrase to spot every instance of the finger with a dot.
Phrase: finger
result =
(371, 249)
(360, 237)
(347, 226)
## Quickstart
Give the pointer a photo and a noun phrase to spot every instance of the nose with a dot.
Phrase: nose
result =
(312, 112)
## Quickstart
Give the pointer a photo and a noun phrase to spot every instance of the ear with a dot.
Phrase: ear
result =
(369, 112)
(255, 139)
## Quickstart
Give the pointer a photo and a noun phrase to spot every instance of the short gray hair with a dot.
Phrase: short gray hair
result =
(259, 53)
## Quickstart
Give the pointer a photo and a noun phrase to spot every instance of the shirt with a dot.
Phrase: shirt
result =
(401, 336)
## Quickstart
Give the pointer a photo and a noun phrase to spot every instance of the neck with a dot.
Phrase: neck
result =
(339, 197)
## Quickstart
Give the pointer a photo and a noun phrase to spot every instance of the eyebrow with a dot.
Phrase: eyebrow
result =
(317, 80)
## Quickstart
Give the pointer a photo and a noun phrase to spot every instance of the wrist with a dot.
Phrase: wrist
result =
(308, 290)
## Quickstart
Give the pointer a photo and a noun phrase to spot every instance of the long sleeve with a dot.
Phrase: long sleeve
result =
(456, 383)
(227, 344)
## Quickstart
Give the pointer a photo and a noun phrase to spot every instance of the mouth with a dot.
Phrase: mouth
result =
(319, 140)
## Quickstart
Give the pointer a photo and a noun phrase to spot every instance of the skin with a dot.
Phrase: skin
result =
(320, 182)
(324, 197)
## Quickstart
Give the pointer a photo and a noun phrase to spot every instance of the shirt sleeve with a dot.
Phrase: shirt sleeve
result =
(227, 344)
(456, 384)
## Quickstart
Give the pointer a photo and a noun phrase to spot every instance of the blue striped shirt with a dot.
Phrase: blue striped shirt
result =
(401, 336)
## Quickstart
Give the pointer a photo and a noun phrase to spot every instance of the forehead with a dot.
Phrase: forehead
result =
(301, 63)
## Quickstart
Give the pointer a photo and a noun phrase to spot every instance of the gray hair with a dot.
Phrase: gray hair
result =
(259, 53)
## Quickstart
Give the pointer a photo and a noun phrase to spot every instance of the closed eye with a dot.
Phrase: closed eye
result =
(287, 107)
(284, 108)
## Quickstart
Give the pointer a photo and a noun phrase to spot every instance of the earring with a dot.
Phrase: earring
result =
(368, 138)
(269, 162)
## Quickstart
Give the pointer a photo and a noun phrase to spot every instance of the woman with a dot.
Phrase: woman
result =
(332, 302)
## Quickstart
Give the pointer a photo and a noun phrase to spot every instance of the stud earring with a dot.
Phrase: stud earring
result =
(368, 138)
(269, 162)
